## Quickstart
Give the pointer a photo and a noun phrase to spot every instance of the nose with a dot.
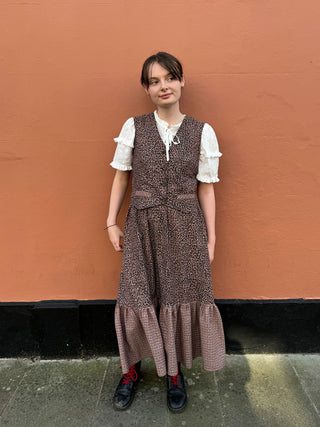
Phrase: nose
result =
(164, 85)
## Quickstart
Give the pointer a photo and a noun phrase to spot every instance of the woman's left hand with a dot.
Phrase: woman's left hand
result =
(211, 252)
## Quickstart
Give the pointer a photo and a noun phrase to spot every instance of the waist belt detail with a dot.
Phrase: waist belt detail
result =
(178, 196)
(144, 199)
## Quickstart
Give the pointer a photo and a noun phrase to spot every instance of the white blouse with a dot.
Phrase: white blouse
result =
(209, 149)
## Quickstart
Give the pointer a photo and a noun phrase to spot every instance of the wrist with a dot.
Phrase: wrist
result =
(111, 221)
(212, 241)
(109, 226)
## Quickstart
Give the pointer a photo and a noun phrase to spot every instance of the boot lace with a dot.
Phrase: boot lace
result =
(175, 380)
(130, 376)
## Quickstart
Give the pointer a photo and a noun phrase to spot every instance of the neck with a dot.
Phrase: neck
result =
(172, 115)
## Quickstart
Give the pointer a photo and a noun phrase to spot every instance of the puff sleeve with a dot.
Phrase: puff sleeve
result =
(209, 156)
(122, 158)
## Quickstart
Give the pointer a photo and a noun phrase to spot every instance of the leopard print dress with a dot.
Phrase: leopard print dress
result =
(165, 307)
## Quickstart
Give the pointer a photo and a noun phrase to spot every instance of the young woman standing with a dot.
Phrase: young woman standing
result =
(165, 307)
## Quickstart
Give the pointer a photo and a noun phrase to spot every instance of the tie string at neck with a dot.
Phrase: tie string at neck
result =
(168, 140)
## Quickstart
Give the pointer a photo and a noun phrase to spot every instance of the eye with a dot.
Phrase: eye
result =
(171, 78)
(153, 82)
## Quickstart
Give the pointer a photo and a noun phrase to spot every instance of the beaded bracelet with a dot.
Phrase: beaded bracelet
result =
(109, 226)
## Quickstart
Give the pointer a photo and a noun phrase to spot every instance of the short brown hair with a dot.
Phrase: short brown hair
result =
(167, 61)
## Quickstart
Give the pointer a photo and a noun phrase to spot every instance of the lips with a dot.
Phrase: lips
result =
(165, 96)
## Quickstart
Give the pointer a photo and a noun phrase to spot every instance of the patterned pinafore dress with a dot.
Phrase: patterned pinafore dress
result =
(165, 307)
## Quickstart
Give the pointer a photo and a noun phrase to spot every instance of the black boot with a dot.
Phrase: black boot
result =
(176, 392)
(124, 393)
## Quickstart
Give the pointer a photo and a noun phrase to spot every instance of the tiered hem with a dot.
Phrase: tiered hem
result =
(179, 334)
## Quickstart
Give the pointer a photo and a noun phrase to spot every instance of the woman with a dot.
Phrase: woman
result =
(165, 307)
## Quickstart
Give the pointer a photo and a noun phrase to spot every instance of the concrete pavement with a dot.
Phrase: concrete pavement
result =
(252, 390)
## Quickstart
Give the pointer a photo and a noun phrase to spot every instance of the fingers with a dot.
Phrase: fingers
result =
(117, 244)
(116, 238)
(211, 253)
(118, 248)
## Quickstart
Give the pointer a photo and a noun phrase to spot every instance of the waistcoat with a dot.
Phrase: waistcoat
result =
(156, 181)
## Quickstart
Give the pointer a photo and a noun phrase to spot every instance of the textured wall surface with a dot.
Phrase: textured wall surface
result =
(70, 78)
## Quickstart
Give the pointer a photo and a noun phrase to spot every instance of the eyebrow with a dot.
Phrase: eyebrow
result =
(157, 78)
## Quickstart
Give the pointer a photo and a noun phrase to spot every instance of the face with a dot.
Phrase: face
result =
(164, 90)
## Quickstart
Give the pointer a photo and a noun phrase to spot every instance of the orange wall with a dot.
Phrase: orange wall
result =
(70, 77)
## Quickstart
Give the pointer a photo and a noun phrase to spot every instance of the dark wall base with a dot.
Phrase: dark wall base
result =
(60, 329)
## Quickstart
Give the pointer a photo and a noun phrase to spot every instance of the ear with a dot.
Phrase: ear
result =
(182, 81)
(146, 89)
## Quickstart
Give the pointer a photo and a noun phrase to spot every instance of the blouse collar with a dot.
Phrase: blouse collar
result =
(164, 123)
(169, 134)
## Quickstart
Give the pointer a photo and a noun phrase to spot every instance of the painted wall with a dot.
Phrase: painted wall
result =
(70, 78)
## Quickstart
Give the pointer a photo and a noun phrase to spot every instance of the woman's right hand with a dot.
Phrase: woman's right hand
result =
(119, 186)
(116, 238)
